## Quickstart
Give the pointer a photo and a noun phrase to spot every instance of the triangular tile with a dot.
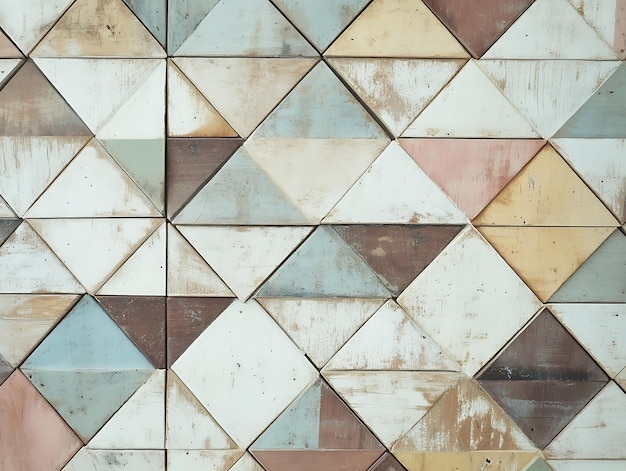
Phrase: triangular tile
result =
(32, 107)
(25, 319)
(227, 198)
(321, 21)
(314, 173)
(544, 257)
(477, 24)
(320, 107)
(391, 402)
(117, 460)
(605, 173)
(189, 113)
(470, 106)
(187, 272)
(190, 163)
(144, 273)
(96, 88)
(387, 462)
(320, 326)
(324, 266)
(183, 16)
(598, 432)
(7, 48)
(621, 379)
(7, 67)
(138, 424)
(245, 28)
(153, 14)
(187, 318)
(469, 460)
(394, 190)
(471, 284)
(32, 435)
(390, 340)
(92, 185)
(244, 256)
(600, 328)
(94, 248)
(7, 226)
(471, 171)
(33, 266)
(397, 28)
(600, 278)
(607, 20)
(540, 465)
(142, 318)
(393, 88)
(200, 460)
(98, 28)
(247, 463)
(189, 426)
(5, 211)
(550, 29)
(548, 92)
(5, 370)
(583, 465)
(602, 116)
(546, 192)
(397, 254)
(244, 90)
(27, 22)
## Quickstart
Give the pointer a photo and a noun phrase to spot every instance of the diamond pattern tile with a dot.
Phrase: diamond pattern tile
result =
(256, 235)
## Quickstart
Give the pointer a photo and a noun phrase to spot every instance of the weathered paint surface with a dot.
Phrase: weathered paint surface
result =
(117, 460)
(198, 460)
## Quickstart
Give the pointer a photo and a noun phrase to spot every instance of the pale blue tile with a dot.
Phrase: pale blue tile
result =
(183, 16)
(153, 14)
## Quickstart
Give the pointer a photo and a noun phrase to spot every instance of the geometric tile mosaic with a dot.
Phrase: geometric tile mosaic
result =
(276, 235)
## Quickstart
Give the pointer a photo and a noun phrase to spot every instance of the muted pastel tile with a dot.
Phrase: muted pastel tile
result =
(608, 18)
(7, 48)
(303, 460)
(583, 465)
(7, 67)
(117, 460)
(202, 460)
(183, 16)
(496, 460)
(153, 15)
(7, 226)
(387, 462)
(5, 369)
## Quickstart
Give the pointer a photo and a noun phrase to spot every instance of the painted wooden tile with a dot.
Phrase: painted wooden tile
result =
(477, 24)
(247, 463)
(397, 28)
(548, 92)
(394, 190)
(314, 173)
(94, 248)
(188, 318)
(245, 28)
(495, 460)
(387, 462)
(32, 434)
(470, 106)
(153, 14)
(117, 460)
(188, 274)
(227, 199)
(397, 90)
(96, 88)
(390, 403)
(471, 171)
(390, 340)
(550, 29)
(303, 460)
(603, 114)
(189, 426)
(539, 465)
(7, 48)
(201, 460)
(183, 16)
(270, 372)
(583, 465)
(92, 185)
(189, 113)
(5, 211)
(7, 67)
(546, 192)
(322, 21)
(600, 328)
(244, 90)
(320, 327)
(244, 256)
(7, 226)
(5, 370)
(324, 266)
(598, 432)
(29, 21)
(470, 283)
(26, 319)
(621, 379)
(544, 257)
(397, 253)
(103, 28)
(138, 424)
(33, 266)
(605, 173)
(601, 277)
(608, 19)
(142, 318)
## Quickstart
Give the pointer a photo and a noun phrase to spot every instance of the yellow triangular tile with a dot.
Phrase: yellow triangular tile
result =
(471, 461)
(546, 192)
(397, 28)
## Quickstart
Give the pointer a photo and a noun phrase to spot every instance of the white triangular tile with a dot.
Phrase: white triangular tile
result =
(603, 16)
(584, 465)
(247, 463)
(5, 211)
(202, 460)
(7, 66)
(117, 460)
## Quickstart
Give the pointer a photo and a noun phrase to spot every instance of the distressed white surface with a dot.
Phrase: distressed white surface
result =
(6, 67)
(262, 370)
(601, 15)
(114, 460)
(587, 465)
(550, 29)
(469, 300)
(139, 423)
(597, 432)
(394, 190)
(5, 211)
(247, 463)
(201, 460)
(621, 379)
(244, 256)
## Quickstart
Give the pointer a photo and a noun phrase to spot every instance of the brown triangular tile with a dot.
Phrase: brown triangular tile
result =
(387, 462)
(306, 460)
(7, 226)
(7, 48)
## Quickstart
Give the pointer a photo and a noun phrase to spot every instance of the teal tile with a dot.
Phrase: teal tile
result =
(153, 14)
(320, 107)
(183, 17)
(540, 465)
(323, 266)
